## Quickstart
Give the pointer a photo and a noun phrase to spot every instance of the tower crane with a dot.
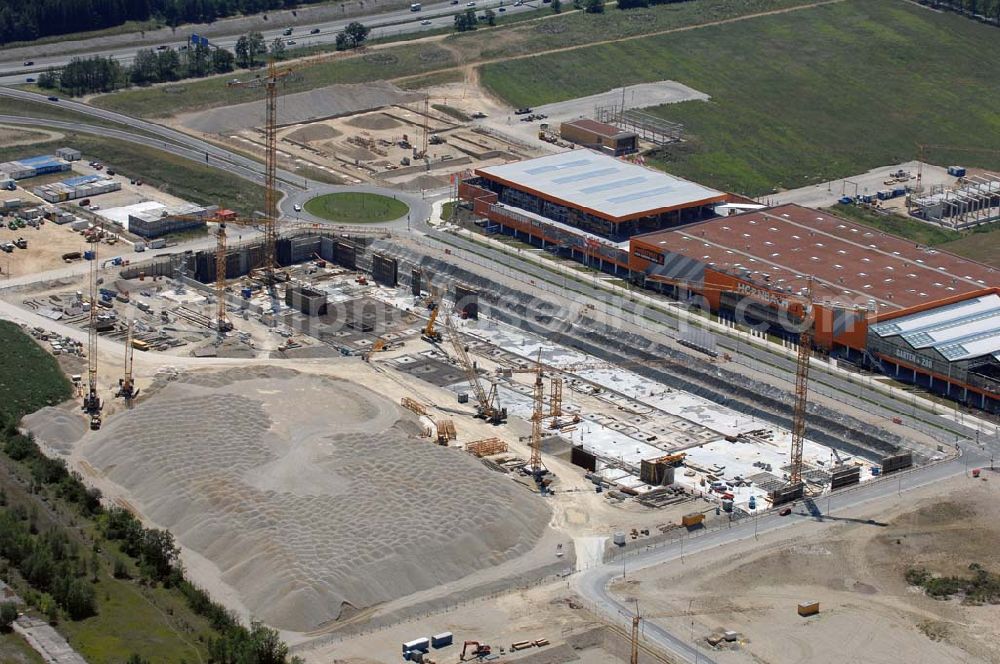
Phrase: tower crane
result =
(270, 220)
(126, 386)
(91, 401)
(538, 406)
(801, 395)
(487, 406)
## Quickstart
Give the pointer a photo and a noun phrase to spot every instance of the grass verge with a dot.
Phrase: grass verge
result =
(799, 97)
(356, 208)
(15, 650)
(167, 172)
(452, 111)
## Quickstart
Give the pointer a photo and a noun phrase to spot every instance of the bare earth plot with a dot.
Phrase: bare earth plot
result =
(329, 101)
(855, 570)
(306, 498)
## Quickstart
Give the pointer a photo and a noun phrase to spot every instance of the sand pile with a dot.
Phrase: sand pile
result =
(312, 496)
(374, 121)
(310, 133)
(57, 428)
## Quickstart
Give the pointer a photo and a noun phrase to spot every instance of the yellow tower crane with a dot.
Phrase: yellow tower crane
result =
(270, 219)
(126, 386)
(91, 401)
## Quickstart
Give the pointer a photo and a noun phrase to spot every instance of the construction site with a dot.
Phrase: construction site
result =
(358, 432)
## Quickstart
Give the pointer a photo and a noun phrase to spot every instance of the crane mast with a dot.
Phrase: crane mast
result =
(801, 388)
(271, 174)
(537, 413)
(91, 401)
(126, 387)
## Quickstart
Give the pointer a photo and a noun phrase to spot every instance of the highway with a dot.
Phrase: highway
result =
(387, 24)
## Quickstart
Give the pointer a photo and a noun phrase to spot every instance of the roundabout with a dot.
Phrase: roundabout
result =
(356, 207)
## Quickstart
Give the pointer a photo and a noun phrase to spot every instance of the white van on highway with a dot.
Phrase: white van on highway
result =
(415, 7)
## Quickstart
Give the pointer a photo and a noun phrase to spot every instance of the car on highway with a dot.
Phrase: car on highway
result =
(470, 4)
(314, 31)
(29, 80)
(425, 22)
(297, 207)
(454, 2)
(53, 98)
(501, 9)
(28, 63)
(785, 512)
(290, 42)
(161, 47)
(518, 3)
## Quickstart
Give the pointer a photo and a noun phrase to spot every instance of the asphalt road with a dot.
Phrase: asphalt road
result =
(593, 584)
(387, 24)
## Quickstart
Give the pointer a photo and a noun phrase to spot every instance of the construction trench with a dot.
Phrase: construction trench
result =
(527, 311)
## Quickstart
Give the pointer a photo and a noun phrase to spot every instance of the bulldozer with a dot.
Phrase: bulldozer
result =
(478, 650)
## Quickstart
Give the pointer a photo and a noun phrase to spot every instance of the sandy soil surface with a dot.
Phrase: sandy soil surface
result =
(46, 245)
(305, 513)
(326, 102)
(855, 569)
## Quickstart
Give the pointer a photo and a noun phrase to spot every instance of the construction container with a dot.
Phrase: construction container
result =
(157, 244)
(693, 519)
(808, 608)
(619, 538)
(422, 644)
(957, 171)
(727, 504)
(442, 640)
(89, 255)
(730, 635)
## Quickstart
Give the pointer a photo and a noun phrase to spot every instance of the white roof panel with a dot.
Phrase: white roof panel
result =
(602, 184)
(958, 331)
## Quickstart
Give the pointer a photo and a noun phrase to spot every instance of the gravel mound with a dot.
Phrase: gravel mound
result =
(56, 427)
(329, 102)
(310, 133)
(313, 497)
(374, 121)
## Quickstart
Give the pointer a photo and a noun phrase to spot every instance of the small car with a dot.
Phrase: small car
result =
(314, 31)
(290, 42)
(53, 98)
(470, 4)
(28, 63)
(29, 80)
(785, 512)
(297, 207)
(425, 22)
(161, 47)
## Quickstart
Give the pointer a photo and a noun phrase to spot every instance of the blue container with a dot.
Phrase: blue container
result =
(899, 191)
(246, 293)
(876, 471)
(89, 255)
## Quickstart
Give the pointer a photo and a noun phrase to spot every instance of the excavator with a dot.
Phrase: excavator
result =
(430, 333)
(478, 650)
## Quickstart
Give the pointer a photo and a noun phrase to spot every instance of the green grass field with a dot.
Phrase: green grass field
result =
(800, 97)
(31, 379)
(519, 35)
(170, 173)
(163, 101)
(356, 208)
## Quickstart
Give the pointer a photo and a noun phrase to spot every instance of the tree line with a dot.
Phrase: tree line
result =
(102, 74)
(63, 576)
(982, 10)
(24, 20)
